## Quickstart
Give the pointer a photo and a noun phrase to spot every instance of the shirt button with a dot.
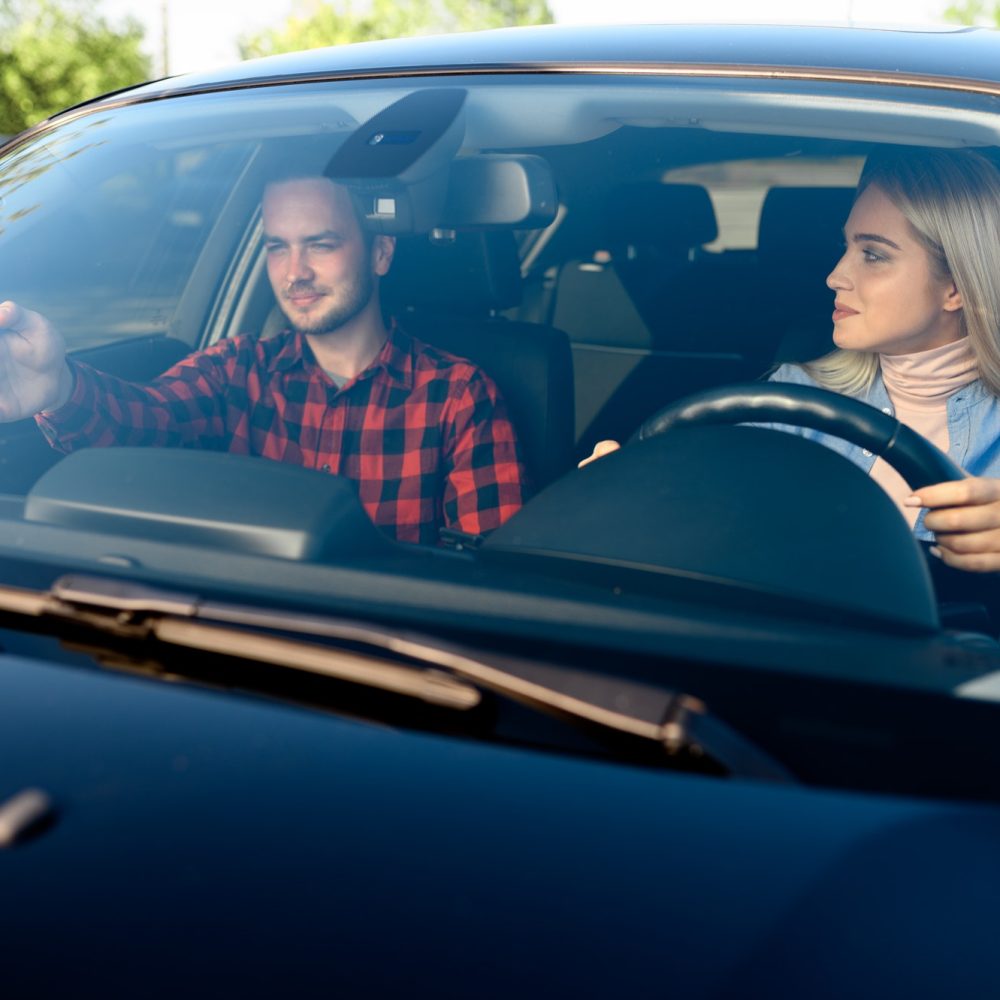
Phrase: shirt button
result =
(887, 409)
(325, 468)
(866, 453)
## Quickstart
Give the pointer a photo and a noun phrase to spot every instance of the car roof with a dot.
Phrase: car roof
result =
(952, 54)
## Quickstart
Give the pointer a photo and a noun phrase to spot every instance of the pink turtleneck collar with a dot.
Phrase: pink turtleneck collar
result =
(926, 379)
(919, 386)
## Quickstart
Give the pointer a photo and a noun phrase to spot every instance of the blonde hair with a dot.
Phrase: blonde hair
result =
(951, 199)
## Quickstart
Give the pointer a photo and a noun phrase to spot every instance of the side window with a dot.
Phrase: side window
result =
(738, 189)
(105, 242)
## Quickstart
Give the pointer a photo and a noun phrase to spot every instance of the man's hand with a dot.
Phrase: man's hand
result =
(33, 371)
(601, 449)
(965, 518)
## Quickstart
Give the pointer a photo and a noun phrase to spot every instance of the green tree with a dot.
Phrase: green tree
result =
(314, 24)
(974, 12)
(53, 54)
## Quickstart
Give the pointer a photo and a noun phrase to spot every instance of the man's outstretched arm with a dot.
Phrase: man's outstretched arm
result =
(183, 407)
(75, 405)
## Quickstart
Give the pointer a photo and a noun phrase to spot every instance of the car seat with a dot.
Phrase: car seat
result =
(642, 309)
(449, 293)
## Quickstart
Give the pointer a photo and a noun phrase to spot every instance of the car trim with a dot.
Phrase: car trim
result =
(695, 70)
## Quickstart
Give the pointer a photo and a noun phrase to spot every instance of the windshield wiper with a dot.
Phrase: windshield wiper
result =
(133, 611)
(440, 673)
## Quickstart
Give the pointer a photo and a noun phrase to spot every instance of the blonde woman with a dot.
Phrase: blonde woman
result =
(917, 326)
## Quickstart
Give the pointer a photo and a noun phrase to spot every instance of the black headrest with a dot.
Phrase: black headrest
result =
(669, 216)
(475, 273)
(805, 225)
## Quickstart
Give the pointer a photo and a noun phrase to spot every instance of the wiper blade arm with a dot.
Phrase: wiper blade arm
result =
(675, 720)
(135, 611)
(427, 684)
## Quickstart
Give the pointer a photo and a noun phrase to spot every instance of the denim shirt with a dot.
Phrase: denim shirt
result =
(973, 428)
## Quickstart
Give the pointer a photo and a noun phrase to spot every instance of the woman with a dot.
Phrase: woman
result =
(917, 327)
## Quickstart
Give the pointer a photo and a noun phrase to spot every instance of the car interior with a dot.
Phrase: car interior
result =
(603, 257)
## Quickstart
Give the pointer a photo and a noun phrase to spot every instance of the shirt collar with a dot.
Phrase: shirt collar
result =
(294, 352)
(395, 358)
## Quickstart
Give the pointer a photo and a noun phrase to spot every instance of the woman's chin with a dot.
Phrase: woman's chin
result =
(844, 343)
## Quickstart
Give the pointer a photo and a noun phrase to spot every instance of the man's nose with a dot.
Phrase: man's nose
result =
(298, 265)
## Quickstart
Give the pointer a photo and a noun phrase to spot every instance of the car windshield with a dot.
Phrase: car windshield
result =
(600, 245)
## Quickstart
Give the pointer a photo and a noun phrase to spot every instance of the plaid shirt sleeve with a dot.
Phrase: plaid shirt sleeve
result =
(485, 481)
(184, 407)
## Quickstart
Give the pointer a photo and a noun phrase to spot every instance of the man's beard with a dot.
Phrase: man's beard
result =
(350, 300)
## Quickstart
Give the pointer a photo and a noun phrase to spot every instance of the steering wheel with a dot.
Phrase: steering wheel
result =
(918, 461)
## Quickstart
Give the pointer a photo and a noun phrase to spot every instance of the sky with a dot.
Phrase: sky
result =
(203, 34)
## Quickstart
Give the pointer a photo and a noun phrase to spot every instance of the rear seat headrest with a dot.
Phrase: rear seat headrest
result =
(804, 225)
(667, 216)
(476, 273)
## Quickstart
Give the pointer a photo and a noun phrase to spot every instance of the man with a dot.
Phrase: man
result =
(423, 434)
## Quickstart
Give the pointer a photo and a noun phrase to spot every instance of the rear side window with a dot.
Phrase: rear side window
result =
(738, 188)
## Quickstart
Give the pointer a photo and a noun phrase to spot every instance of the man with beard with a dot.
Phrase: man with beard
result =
(423, 434)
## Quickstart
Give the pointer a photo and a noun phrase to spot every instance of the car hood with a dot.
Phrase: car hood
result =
(249, 847)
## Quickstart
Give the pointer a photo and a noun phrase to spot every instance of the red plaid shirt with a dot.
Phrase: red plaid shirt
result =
(423, 434)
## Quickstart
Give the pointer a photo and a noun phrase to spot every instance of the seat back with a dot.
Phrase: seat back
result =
(641, 335)
(449, 294)
(648, 234)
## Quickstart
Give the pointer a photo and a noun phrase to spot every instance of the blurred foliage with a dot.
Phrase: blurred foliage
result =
(54, 54)
(314, 24)
(974, 12)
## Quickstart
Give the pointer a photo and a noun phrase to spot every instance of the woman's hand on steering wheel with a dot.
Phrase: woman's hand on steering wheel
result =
(965, 518)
